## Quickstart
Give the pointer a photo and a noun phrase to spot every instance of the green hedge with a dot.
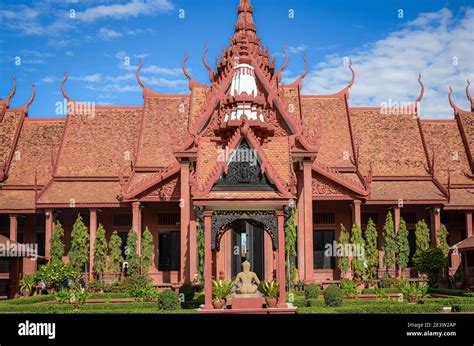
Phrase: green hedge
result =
(451, 292)
(392, 290)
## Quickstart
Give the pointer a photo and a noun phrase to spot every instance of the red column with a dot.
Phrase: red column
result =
(14, 276)
(49, 227)
(469, 232)
(267, 243)
(93, 229)
(185, 216)
(13, 227)
(435, 224)
(356, 218)
(137, 224)
(207, 260)
(308, 217)
(281, 259)
(192, 247)
(300, 243)
(29, 237)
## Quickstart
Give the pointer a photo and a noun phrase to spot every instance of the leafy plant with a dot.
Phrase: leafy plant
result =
(358, 261)
(131, 254)
(290, 245)
(221, 288)
(139, 287)
(388, 282)
(200, 246)
(413, 291)
(343, 243)
(333, 296)
(422, 237)
(269, 289)
(403, 247)
(56, 274)
(349, 288)
(299, 285)
(390, 244)
(116, 259)
(100, 251)
(442, 241)
(73, 296)
(312, 291)
(168, 300)
(27, 282)
(79, 253)
(371, 250)
(431, 262)
(56, 243)
(148, 248)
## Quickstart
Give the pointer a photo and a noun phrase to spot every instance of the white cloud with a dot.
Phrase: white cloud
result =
(49, 79)
(93, 78)
(388, 68)
(108, 34)
(297, 49)
(133, 8)
(153, 69)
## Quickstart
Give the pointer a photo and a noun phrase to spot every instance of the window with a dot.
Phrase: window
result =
(320, 260)
(409, 217)
(169, 251)
(123, 220)
(168, 219)
(370, 215)
(324, 218)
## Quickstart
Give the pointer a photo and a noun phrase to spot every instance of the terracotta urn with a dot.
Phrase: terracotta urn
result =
(218, 304)
(26, 292)
(271, 302)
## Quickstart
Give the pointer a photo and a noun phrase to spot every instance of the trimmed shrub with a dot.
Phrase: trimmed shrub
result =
(432, 262)
(388, 282)
(333, 296)
(187, 290)
(349, 288)
(312, 291)
(168, 300)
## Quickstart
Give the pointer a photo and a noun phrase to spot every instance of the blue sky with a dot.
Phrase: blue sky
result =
(92, 40)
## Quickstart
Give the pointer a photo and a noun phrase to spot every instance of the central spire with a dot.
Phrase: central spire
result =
(245, 26)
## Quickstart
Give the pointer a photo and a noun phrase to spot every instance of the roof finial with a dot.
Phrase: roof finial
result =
(457, 110)
(137, 74)
(469, 97)
(422, 92)
(211, 71)
(12, 92)
(192, 82)
(30, 101)
(66, 96)
(298, 83)
(351, 83)
(283, 67)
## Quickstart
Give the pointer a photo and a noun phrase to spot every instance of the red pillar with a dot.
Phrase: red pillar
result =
(396, 221)
(300, 243)
(469, 232)
(308, 217)
(29, 237)
(49, 227)
(185, 216)
(435, 224)
(281, 260)
(267, 243)
(14, 276)
(93, 229)
(356, 218)
(207, 260)
(192, 247)
(13, 227)
(137, 224)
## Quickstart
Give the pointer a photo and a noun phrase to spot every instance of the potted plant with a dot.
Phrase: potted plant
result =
(270, 290)
(220, 290)
(26, 284)
(414, 292)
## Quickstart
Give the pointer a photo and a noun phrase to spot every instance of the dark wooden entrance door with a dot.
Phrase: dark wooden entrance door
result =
(247, 244)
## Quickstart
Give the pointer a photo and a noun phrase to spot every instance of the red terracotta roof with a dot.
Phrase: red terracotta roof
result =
(37, 145)
(407, 190)
(392, 143)
(163, 117)
(465, 245)
(67, 193)
(17, 199)
(461, 198)
(100, 145)
(331, 114)
(467, 123)
(9, 126)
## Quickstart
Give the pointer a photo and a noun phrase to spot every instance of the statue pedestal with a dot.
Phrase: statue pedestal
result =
(243, 302)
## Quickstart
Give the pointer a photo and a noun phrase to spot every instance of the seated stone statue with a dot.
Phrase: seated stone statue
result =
(246, 281)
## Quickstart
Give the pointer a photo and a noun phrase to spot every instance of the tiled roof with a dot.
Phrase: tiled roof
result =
(461, 197)
(467, 121)
(444, 140)
(163, 116)
(8, 127)
(17, 199)
(69, 193)
(100, 145)
(37, 145)
(392, 143)
(336, 147)
(405, 190)
(466, 244)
